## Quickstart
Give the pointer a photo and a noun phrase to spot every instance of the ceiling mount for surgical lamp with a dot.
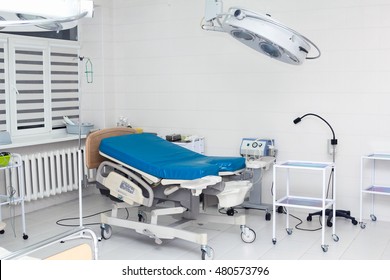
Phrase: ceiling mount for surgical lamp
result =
(260, 32)
(42, 15)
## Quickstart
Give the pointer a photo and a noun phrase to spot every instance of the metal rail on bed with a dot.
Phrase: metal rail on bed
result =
(71, 234)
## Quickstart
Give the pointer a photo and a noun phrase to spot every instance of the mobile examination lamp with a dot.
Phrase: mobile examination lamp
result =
(328, 212)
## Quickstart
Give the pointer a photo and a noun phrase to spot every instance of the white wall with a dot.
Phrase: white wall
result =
(155, 65)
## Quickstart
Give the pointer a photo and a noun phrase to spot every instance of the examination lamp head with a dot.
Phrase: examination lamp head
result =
(297, 120)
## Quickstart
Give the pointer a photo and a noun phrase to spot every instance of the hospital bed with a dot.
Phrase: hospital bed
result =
(157, 178)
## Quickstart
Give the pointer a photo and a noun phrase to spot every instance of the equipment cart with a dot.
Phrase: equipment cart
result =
(304, 202)
(14, 196)
(374, 188)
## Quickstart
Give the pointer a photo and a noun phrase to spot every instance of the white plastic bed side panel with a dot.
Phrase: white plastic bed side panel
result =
(124, 189)
(234, 193)
(164, 232)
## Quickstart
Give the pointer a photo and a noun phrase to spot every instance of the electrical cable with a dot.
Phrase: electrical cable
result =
(59, 222)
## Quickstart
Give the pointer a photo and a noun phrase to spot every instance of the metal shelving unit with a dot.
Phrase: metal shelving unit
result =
(304, 202)
(373, 188)
(17, 197)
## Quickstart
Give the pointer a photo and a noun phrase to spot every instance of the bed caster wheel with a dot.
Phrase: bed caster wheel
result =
(309, 218)
(25, 236)
(354, 222)
(141, 217)
(207, 253)
(373, 217)
(362, 225)
(274, 241)
(324, 248)
(230, 212)
(268, 216)
(280, 210)
(335, 238)
(2, 231)
(248, 235)
(106, 231)
(289, 231)
(329, 223)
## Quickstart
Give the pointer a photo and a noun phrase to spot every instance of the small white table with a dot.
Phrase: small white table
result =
(18, 196)
(373, 188)
(326, 169)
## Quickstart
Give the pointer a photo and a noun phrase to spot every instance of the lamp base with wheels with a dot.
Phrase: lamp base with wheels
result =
(329, 213)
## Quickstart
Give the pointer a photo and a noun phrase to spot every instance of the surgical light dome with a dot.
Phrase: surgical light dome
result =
(259, 32)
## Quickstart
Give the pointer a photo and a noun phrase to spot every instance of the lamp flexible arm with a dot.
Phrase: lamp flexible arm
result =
(334, 140)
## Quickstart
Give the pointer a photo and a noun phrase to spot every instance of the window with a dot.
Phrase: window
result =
(39, 84)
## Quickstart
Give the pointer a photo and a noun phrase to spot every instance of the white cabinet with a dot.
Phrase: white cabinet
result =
(373, 188)
(287, 198)
(14, 197)
(196, 144)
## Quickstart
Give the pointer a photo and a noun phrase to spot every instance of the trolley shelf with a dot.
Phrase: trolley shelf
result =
(376, 189)
(5, 200)
(304, 202)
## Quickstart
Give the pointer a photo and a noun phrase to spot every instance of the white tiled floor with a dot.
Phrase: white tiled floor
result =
(371, 243)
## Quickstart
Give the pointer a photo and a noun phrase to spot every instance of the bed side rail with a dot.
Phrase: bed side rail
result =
(123, 188)
(56, 239)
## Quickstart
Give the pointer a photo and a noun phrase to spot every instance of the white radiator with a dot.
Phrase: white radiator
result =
(47, 174)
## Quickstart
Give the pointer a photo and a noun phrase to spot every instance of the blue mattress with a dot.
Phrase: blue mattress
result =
(162, 159)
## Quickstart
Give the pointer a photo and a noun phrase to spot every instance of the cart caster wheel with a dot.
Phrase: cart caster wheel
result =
(268, 216)
(362, 225)
(2, 231)
(25, 236)
(280, 210)
(324, 248)
(289, 231)
(207, 253)
(248, 235)
(329, 223)
(354, 222)
(373, 217)
(274, 241)
(335, 238)
(106, 231)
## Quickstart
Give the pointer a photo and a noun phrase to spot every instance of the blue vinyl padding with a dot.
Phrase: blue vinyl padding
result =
(162, 159)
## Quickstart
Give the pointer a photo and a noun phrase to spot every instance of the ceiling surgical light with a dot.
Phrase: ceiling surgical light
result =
(259, 32)
(42, 15)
